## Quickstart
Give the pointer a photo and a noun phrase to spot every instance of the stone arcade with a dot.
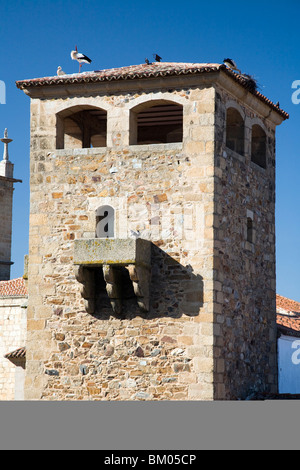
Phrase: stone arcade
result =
(152, 235)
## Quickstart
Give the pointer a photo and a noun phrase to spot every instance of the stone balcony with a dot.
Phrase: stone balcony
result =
(110, 255)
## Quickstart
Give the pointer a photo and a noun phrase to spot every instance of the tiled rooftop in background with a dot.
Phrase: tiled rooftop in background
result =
(289, 326)
(288, 316)
(285, 305)
(13, 288)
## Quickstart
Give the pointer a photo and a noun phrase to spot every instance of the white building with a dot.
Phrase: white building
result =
(13, 327)
(288, 325)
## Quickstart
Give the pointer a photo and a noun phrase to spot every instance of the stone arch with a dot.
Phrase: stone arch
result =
(259, 122)
(156, 119)
(237, 106)
(81, 126)
(159, 96)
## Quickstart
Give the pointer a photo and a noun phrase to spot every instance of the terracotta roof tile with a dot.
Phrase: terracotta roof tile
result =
(156, 69)
(285, 305)
(288, 325)
(19, 353)
(288, 316)
(13, 288)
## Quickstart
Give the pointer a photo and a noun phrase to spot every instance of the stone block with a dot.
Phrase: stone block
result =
(98, 252)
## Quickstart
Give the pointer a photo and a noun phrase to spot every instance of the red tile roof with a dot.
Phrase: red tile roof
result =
(285, 305)
(288, 316)
(288, 325)
(13, 288)
(17, 354)
(156, 69)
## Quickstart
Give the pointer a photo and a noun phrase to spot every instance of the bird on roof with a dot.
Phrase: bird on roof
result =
(278, 104)
(60, 71)
(231, 64)
(147, 61)
(81, 58)
(157, 58)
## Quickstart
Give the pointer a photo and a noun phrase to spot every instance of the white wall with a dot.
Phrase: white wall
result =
(289, 364)
(13, 323)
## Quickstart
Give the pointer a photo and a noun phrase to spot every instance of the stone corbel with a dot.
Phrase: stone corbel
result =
(86, 277)
(140, 277)
(109, 255)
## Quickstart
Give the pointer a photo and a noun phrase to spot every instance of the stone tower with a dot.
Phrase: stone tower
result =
(152, 235)
(6, 207)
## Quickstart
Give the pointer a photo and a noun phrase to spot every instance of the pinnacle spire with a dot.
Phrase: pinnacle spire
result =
(6, 167)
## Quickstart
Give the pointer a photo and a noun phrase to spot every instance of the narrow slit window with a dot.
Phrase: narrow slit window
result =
(249, 230)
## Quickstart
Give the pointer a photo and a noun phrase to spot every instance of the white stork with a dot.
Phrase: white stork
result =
(60, 71)
(81, 58)
(231, 64)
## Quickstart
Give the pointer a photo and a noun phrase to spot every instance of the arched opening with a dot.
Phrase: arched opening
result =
(105, 222)
(156, 122)
(81, 127)
(235, 131)
(259, 146)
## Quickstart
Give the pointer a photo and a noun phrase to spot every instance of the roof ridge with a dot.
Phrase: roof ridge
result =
(151, 70)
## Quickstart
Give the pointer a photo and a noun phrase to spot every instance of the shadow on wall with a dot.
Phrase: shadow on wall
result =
(174, 291)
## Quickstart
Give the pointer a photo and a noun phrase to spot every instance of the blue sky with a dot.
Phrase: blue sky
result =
(263, 38)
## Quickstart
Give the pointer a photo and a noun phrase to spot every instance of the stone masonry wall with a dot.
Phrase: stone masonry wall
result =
(211, 329)
(245, 272)
(166, 192)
